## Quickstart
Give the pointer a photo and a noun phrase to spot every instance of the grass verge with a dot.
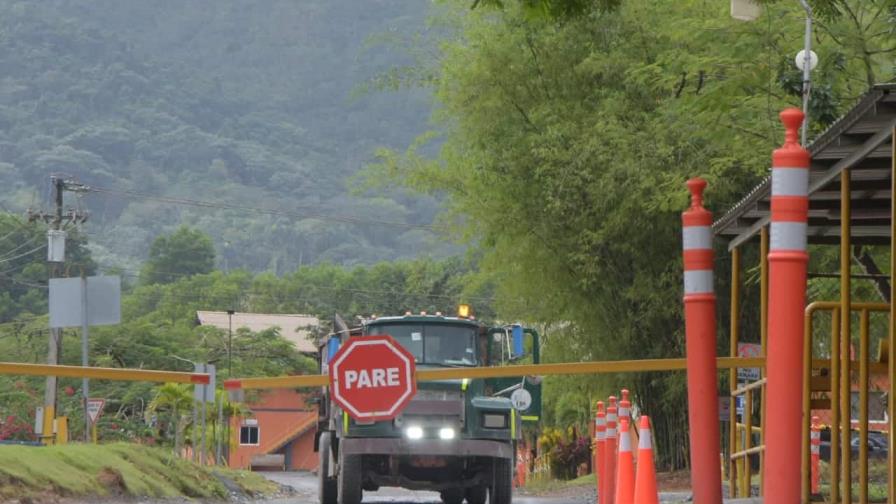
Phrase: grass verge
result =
(548, 485)
(118, 469)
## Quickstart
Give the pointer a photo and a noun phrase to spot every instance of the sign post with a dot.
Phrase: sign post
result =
(94, 410)
(83, 302)
(372, 378)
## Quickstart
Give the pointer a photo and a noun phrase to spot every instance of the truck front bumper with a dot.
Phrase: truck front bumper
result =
(427, 447)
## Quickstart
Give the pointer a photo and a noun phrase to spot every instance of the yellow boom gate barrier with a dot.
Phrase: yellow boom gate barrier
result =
(98, 373)
(565, 368)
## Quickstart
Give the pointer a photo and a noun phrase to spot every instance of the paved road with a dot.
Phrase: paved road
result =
(306, 486)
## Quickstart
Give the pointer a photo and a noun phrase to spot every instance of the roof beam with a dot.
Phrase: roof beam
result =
(851, 159)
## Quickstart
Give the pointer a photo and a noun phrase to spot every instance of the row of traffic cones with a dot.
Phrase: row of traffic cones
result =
(617, 480)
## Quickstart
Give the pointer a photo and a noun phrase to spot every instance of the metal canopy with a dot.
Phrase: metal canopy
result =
(860, 140)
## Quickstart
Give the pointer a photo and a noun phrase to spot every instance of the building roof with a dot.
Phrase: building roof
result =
(292, 326)
(858, 140)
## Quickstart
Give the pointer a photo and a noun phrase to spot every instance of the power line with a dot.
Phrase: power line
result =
(23, 254)
(265, 211)
(21, 245)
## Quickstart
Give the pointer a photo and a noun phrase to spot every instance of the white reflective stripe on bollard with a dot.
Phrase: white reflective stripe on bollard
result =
(698, 282)
(790, 181)
(696, 237)
(788, 236)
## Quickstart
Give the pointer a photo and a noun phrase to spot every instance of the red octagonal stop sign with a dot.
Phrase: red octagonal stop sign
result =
(372, 378)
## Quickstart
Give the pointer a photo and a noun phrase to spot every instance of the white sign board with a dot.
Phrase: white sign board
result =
(103, 301)
(748, 350)
(521, 399)
(95, 409)
(205, 393)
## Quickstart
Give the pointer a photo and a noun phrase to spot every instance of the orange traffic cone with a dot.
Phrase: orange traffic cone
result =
(625, 466)
(600, 441)
(645, 480)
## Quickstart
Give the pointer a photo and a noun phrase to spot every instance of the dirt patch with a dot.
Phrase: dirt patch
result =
(112, 481)
(674, 481)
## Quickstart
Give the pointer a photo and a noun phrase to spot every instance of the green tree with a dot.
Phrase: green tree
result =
(564, 148)
(184, 252)
(174, 398)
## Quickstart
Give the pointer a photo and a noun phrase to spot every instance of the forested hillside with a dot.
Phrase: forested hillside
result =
(236, 103)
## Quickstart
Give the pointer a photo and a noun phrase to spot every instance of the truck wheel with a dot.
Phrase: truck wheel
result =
(501, 491)
(326, 489)
(477, 495)
(453, 496)
(349, 486)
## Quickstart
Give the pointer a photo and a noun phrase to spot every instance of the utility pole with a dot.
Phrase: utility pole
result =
(56, 257)
(230, 343)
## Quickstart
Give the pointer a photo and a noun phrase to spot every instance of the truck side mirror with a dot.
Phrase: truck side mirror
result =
(517, 334)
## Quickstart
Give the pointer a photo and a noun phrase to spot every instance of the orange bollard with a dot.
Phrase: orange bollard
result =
(600, 441)
(700, 335)
(520, 470)
(645, 478)
(787, 261)
(815, 450)
(625, 407)
(625, 411)
(625, 466)
(610, 453)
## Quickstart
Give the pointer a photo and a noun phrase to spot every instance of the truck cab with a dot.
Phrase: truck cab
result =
(457, 437)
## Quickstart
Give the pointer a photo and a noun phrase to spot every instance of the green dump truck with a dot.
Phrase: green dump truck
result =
(455, 437)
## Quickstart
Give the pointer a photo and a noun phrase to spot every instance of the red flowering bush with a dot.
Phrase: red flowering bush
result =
(13, 428)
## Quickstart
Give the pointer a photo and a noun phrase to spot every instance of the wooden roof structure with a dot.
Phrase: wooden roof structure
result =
(862, 141)
(293, 327)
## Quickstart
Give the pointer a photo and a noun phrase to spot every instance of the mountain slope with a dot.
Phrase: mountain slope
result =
(243, 103)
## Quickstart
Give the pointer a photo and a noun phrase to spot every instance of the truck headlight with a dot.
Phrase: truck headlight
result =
(446, 433)
(494, 420)
(414, 432)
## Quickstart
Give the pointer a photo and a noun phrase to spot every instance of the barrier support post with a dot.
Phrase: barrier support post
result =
(845, 337)
(700, 335)
(763, 337)
(734, 338)
(788, 261)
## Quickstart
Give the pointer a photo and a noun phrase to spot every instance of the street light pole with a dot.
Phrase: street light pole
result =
(807, 70)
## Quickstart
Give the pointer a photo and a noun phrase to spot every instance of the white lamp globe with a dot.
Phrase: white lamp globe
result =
(801, 58)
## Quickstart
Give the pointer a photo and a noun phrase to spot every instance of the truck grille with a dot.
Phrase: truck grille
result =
(434, 407)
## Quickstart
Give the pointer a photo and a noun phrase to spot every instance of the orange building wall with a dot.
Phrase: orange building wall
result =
(303, 456)
(278, 413)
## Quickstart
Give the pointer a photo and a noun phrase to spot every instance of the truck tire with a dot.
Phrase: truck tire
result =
(326, 489)
(349, 479)
(501, 491)
(477, 495)
(452, 496)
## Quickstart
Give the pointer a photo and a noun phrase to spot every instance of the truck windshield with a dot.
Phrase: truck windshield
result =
(437, 344)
